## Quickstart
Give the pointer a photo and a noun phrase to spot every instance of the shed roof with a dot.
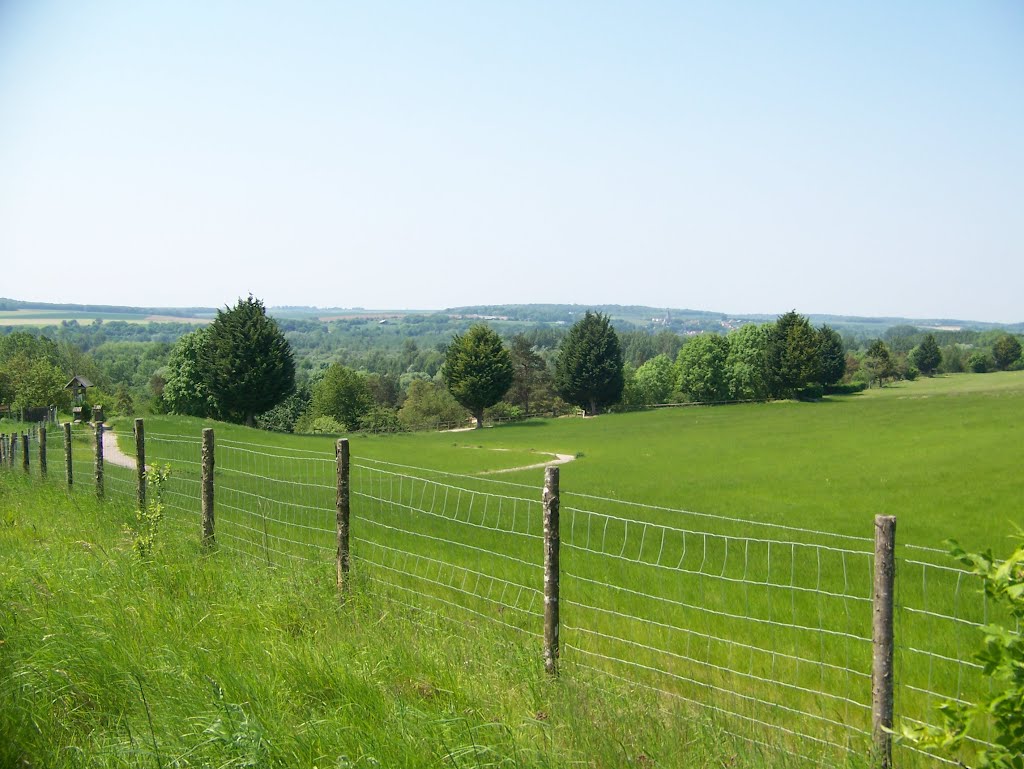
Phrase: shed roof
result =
(77, 381)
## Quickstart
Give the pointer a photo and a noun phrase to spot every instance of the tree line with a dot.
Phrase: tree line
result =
(243, 368)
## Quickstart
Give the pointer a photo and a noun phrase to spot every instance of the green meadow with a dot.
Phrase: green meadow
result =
(717, 559)
(941, 454)
(202, 659)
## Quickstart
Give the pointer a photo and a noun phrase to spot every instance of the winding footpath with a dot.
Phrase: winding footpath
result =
(112, 452)
(559, 459)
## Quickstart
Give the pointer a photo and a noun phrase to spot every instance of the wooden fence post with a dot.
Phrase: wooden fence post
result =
(343, 512)
(24, 452)
(67, 454)
(207, 487)
(42, 450)
(140, 463)
(551, 545)
(99, 460)
(3, 449)
(882, 640)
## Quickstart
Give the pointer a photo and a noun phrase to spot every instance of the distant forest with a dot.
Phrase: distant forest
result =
(128, 361)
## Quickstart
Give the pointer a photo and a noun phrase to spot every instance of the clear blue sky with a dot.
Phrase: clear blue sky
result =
(855, 158)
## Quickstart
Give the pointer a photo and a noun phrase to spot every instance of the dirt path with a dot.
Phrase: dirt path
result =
(559, 459)
(112, 452)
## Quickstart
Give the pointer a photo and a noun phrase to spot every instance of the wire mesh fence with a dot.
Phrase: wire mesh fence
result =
(773, 632)
(766, 626)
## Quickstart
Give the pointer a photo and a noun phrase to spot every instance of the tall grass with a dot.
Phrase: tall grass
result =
(194, 659)
(692, 563)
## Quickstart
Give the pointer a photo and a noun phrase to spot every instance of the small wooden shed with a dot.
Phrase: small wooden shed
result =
(78, 385)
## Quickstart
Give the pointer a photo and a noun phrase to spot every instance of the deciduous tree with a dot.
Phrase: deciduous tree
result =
(1006, 351)
(588, 372)
(428, 404)
(747, 362)
(878, 363)
(655, 380)
(477, 369)
(343, 395)
(185, 388)
(701, 368)
(36, 383)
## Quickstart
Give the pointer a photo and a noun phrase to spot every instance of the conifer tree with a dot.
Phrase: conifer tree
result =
(247, 362)
(588, 372)
(926, 356)
(477, 369)
(831, 356)
(793, 355)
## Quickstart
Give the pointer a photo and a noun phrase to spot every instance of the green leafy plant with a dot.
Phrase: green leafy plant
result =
(145, 536)
(237, 733)
(1002, 658)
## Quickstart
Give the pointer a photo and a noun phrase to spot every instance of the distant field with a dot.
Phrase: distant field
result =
(56, 317)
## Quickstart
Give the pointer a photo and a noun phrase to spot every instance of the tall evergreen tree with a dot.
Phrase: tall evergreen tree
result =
(477, 369)
(831, 356)
(588, 372)
(926, 357)
(793, 360)
(247, 362)
(529, 371)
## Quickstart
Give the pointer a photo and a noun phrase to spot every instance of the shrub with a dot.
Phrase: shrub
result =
(381, 419)
(847, 389)
(980, 362)
(1002, 660)
(811, 392)
(327, 425)
(503, 411)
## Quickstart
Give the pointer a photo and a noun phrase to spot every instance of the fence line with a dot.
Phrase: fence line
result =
(766, 625)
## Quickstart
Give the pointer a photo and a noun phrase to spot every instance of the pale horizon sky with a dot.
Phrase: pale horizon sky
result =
(838, 158)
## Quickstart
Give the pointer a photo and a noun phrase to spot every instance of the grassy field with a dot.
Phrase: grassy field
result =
(56, 317)
(942, 454)
(196, 659)
(720, 555)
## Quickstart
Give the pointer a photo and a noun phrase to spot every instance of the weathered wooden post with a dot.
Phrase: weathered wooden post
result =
(99, 460)
(207, 487)
(42, 450)
(551, 544)
(882, 640)
(343, 511)
(24, 452)
(68, 468)
(140, 463)
(3, 449)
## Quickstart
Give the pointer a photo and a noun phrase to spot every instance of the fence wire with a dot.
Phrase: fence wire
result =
(765, 626)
